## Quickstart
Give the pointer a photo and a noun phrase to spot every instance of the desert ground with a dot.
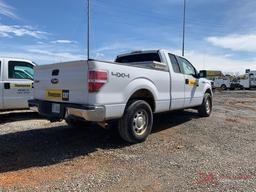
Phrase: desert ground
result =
(184, 153)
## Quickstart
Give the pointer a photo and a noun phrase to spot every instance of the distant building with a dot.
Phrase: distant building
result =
(211, 75)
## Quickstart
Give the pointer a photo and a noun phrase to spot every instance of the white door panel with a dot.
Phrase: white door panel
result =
(193, 88)
(16, 93)
(177, 84)
(17, 87)
(193, 91)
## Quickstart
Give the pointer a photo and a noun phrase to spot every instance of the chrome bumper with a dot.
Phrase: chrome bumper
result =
(87, 112)
(97, 114)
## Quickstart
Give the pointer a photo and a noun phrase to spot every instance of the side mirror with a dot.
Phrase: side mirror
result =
(202, 74)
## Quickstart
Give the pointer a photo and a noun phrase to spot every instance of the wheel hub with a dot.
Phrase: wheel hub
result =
(208, 106)
(140, 122)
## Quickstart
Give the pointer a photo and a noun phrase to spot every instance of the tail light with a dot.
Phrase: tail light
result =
(97, 79)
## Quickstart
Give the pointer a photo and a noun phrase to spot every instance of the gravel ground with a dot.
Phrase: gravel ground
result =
(184, 152)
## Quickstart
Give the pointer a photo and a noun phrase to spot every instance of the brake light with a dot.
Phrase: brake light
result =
(96, 80)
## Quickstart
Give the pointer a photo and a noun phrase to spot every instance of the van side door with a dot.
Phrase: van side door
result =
(18, 84)
(193, 85)
(177, 84)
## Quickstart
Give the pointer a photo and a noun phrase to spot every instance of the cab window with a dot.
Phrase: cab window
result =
(137, 58)
(175, 64)
(186, 67)
(20, 70)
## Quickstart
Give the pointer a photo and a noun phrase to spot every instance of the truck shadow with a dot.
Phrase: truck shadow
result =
(49, 146)
(9, 117)
(171, 119)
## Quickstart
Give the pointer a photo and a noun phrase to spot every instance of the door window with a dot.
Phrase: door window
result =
(20, 70)
(187, 67)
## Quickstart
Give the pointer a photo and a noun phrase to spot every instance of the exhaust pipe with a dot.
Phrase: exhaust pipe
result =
(103, 125)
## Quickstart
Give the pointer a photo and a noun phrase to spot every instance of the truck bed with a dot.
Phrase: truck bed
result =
(123, 80)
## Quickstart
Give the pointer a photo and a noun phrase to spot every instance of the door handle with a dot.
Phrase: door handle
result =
(7, 86)
(187, 81)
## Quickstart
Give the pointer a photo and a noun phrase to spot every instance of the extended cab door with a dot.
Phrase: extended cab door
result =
(17, 84)
(193, 87)
(177, 84)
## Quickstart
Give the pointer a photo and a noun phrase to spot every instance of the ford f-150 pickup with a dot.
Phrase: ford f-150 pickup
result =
(131, 89)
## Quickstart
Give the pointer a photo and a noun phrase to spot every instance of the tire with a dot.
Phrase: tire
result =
(223, 87)
(76, 123)
(136, 124)
(205, 109)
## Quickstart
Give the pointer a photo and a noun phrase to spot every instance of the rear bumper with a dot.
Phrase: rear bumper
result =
(87, 112)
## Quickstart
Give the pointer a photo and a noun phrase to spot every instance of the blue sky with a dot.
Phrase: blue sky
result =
(220, 34)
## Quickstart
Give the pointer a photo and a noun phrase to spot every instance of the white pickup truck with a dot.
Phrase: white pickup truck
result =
(130, 89)
(16, 78)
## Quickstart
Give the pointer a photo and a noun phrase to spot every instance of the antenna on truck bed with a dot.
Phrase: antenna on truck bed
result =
(88, 28)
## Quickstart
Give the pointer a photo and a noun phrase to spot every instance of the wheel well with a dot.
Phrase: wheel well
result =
(144, 95)
(209, 91)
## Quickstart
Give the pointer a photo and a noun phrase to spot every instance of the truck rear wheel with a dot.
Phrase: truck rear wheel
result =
(136, 124)
(205, 109)
(77, 123)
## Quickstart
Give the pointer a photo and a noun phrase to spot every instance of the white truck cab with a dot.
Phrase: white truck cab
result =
(130, 89)
(16, 78)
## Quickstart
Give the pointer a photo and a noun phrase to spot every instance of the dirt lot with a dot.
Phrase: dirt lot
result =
(184, 153)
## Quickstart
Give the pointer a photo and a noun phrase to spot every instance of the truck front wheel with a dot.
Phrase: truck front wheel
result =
(136, 124)
(205, 109)
(77, 123)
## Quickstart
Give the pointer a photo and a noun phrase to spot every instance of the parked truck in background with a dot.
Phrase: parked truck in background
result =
(16, 78)
(212, 75)
(131, 89)
(248, 81)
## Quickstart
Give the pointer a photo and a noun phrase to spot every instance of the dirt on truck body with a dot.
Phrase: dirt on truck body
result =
(184, 153)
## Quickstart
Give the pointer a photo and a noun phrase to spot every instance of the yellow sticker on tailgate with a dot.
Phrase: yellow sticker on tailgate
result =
(57, 95)
(54, 94)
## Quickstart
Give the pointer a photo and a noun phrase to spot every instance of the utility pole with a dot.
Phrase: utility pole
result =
(88, 28)
(184, 28)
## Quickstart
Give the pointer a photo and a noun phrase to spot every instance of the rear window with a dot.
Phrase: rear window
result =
(139, 58)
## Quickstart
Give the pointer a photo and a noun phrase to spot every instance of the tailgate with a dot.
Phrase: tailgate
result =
(62, 82)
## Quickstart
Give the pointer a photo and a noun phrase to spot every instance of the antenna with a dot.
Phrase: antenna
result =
(184, 29)
(88, 28)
